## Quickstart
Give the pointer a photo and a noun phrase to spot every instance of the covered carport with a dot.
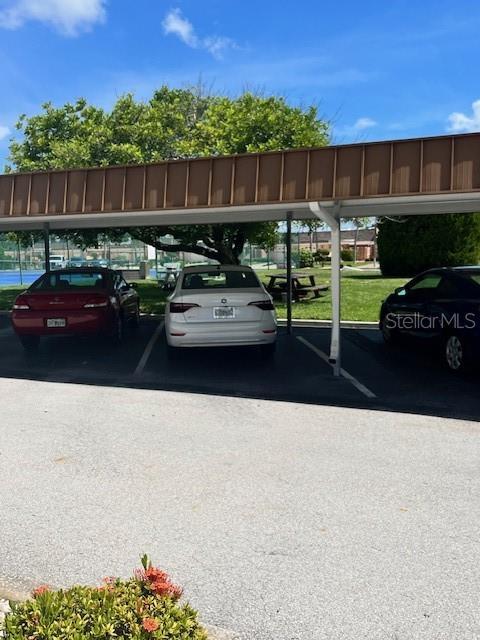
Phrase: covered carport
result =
(396, 178)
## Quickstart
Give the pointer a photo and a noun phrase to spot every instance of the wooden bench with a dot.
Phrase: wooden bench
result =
(302, 292)
(278, 287)
(317, 290)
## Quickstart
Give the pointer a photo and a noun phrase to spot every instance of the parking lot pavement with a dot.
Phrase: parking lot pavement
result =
(281, 520)
(294, 374)
(375, 376)
(65, 359)
(406, 377)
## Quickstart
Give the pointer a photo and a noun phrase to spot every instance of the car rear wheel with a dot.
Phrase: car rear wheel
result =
(390, 336)
(116, 337)
(456, 353)
(135, 321)
(268, 350)
(30, 343)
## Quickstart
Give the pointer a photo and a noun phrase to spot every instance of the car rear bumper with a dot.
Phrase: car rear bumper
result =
(34, 323)
(224, 334)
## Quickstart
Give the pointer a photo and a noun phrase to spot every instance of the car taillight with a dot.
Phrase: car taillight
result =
(181, 307)
(19, 306)
(264, 305)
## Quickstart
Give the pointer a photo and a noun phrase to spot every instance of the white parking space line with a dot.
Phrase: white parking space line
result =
(148, 349)
(348, 376)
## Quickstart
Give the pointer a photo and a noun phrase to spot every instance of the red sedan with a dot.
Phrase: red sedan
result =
(75, 302)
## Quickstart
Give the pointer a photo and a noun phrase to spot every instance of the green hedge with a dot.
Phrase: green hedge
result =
(347, 255)
(416, 243)
(305, 259)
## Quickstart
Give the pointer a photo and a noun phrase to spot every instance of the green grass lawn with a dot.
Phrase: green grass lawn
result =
(152, 298)
(362, 294)
(8, 295)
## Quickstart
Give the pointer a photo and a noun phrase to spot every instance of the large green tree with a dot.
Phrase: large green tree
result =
(409, 245)
(174, 123)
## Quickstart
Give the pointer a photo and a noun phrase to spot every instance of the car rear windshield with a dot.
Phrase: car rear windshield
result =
(220, 279)
(60, 281)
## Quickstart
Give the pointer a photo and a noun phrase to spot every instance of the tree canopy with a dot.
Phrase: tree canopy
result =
(415, 243)
(174, 123)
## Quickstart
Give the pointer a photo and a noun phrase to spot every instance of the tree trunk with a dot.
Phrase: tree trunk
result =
(224, 247)
(355, 241)
(223, 254)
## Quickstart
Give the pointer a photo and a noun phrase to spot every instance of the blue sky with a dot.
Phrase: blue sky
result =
(376, 70)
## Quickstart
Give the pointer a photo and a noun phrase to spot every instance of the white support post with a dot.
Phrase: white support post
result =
(46, 241)
(332, 218)
(288, 241)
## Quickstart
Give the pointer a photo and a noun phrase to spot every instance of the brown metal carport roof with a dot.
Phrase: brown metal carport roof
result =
(401, 177)
(441, 171)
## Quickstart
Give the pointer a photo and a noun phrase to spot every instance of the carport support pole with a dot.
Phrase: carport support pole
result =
(46, 240)
(288, 241)
(332, 218)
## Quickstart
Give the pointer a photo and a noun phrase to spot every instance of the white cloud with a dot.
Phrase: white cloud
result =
(176, 24)
(357, 128)
(67, 16)
(4, 131)
(364, 123)
(459, 122)
(216, 45)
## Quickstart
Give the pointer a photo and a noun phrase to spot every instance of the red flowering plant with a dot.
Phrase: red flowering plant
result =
(156, 581)
(143, 607)
(40, 590)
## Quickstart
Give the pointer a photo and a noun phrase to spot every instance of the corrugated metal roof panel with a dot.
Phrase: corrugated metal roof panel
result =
(446, 164)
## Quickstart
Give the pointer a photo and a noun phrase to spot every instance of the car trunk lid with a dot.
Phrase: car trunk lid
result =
(223, 305)
(58, 303)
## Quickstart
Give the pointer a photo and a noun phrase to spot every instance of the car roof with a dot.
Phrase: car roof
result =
(104, 270)
(460, 270)
(216, 267)
(472, 268)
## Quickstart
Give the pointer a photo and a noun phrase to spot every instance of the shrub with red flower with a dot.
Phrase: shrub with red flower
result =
(149, 624)
(162, 588)
(143, 607)
(157, 581)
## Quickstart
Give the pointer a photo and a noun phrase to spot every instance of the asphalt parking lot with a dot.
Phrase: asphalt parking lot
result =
(378, 377)
(282, 521)
(333, 512)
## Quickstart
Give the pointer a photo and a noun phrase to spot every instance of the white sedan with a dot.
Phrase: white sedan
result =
(220, 306)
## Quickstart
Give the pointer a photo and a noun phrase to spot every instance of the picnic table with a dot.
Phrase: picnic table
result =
(277, 287)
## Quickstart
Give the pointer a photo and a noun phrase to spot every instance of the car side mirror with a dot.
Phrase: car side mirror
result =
(400, 291)
(133, 285)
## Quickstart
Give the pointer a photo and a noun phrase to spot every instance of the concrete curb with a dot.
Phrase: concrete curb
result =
(13, 595)
(297, 322)
(325, 324)
(216, 633)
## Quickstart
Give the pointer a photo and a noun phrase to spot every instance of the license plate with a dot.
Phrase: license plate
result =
(223, 313)
(55, 323)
